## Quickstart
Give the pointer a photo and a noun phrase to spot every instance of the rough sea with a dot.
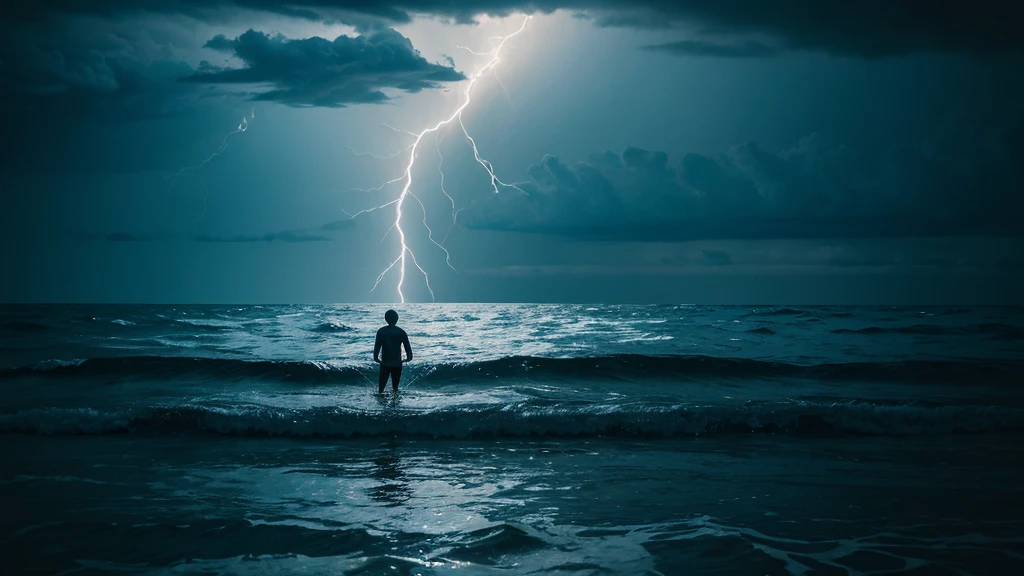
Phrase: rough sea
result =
(526, 439)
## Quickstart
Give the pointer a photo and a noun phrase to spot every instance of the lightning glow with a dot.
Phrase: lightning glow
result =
(406, 176)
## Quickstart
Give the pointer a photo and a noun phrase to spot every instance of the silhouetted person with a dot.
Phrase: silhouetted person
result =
(391, 339)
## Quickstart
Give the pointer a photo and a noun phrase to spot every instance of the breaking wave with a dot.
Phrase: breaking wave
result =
(331, 327)
(628, 367)
(529, 419)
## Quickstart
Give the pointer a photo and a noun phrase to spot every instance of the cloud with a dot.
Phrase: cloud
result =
(715, 258)
(124, 237)
(748, 49)
(319, 72)
(864, 28)
(62, 69)
(286, 236)
(957, 255)
(117, 76)
(946, 185)
(129, 237)
(317, 234)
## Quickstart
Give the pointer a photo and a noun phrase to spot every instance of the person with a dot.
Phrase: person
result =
(390, 340)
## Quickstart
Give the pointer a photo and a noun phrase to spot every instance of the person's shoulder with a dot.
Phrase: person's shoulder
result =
(401, 331)
(382, 329)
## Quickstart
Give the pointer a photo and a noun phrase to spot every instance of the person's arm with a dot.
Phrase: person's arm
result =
(408, 349)
(376, 348)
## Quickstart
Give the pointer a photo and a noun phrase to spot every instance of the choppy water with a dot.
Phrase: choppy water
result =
(527, 438)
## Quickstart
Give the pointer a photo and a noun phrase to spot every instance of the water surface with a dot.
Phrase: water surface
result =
(527, 438)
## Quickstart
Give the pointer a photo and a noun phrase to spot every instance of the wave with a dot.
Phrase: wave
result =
(331, 327)
(776, 312)
(181, 367)
(200, 325)
(24, 326)
(997, 330)
(523, 420)
(622, 367)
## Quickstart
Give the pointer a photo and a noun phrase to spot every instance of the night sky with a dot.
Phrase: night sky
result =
(699, 151)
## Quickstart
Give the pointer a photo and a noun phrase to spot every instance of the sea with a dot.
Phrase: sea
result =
(525, 439)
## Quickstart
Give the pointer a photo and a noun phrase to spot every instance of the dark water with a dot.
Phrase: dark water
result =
(527, 439)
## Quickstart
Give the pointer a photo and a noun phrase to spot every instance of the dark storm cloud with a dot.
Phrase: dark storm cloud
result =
(818, 189)
(748, 49)
(864, 28)
(320, 72)
(66, 80)
(119, 75)
(112, 74)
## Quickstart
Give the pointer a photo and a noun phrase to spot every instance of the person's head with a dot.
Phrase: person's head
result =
(391, 317)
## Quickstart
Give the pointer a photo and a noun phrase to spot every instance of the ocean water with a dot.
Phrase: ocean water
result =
(526, 439)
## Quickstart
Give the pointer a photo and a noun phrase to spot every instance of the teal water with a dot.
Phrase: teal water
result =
(532, 439)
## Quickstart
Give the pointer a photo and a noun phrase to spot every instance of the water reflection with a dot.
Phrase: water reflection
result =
(393, 489)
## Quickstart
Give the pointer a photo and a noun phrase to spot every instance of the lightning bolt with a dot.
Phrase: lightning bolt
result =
(406, 176)
(242, 127)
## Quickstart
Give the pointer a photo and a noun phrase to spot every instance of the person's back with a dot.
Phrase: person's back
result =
(390, 340)
(387, 351)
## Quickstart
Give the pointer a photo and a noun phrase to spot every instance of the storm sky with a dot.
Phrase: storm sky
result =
(695, 151)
